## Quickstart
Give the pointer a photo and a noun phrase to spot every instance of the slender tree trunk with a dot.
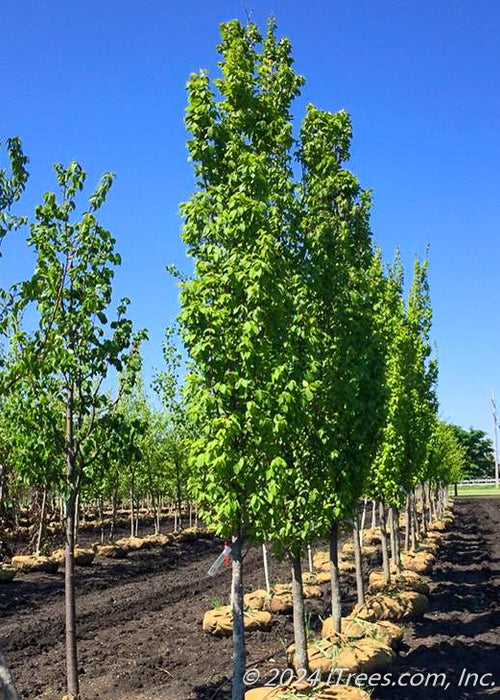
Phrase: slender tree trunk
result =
(132, 511)
(374, 515)
(395, 529)
(7, 686)
(363, 520)
(335, 578)
(69, 573)
(41, 527)
(383, 539)
(190, 515)
(156, 510)
(2, 491)
(408, 525)
(113, 517)
(299, 617)
(77, 510)
(358, 561)
(179, 494)
(390, 526)
(239, 650)
(266, 568)
(414, 520)
(310, 558)
(424, 511)
(101, 518)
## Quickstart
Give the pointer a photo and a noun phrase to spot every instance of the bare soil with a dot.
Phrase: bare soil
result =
(139, 621)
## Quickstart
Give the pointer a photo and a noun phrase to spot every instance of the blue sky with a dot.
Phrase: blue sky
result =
(104, 83)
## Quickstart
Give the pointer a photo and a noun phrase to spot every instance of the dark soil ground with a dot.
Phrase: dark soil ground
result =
(139, 622)
(460, 635)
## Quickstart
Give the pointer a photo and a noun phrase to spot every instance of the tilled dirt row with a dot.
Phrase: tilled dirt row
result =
(139, 626)
(139, 622)
(460, 635)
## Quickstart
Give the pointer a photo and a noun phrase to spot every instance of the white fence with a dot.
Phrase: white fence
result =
(477, 482)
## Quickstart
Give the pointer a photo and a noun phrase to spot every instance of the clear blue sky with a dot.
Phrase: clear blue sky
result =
(104, 82)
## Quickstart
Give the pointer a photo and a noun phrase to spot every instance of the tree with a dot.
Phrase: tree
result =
(445, 463)
(173, 424)
(344, 281)
(11, 189)
(72, 288)
(236, 226)
(479, 457)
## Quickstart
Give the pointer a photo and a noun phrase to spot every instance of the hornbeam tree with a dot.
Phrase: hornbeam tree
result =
(11, 188)
(345, 284)
(72, 288)
(422, 367)
(236, 227)
(387, 475)
(174, 421)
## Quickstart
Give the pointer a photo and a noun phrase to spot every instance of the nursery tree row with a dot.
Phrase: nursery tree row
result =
(312, 381)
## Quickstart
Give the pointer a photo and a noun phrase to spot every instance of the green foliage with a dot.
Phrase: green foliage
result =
(344, 279)
(235, 310)
(12, 187)
(479, 458)
(410, 377)
(72, 288)
(446, 455)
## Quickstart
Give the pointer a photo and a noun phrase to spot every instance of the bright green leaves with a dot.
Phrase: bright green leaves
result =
(75, 346)
(12, 187)
(237, 310)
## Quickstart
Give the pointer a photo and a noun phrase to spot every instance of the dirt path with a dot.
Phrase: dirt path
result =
(139, 622)
(139, 626)
(462, 629)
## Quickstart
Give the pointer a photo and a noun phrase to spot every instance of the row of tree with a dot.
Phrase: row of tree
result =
(62, 432)
(310, 383)
(312, 380)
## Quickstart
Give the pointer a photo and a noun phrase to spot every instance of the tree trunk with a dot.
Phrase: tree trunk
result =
(239, 651)
(310, 558)
(266, 568)
(408, 525)
(2, 489)
(41, 528)
(113, 517)
(335, 579)
(358, 561)
(69, 573)
(154, 503)
(390, 526)
(363, 520)
(299, 618)
(374, 515)
(132, 511)
(7, 687)
(70, 606)
(101, 518)
(179, 494)
(424, 511)
(414, 522)
(77, 510)
(383, 539)
(395, 529)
